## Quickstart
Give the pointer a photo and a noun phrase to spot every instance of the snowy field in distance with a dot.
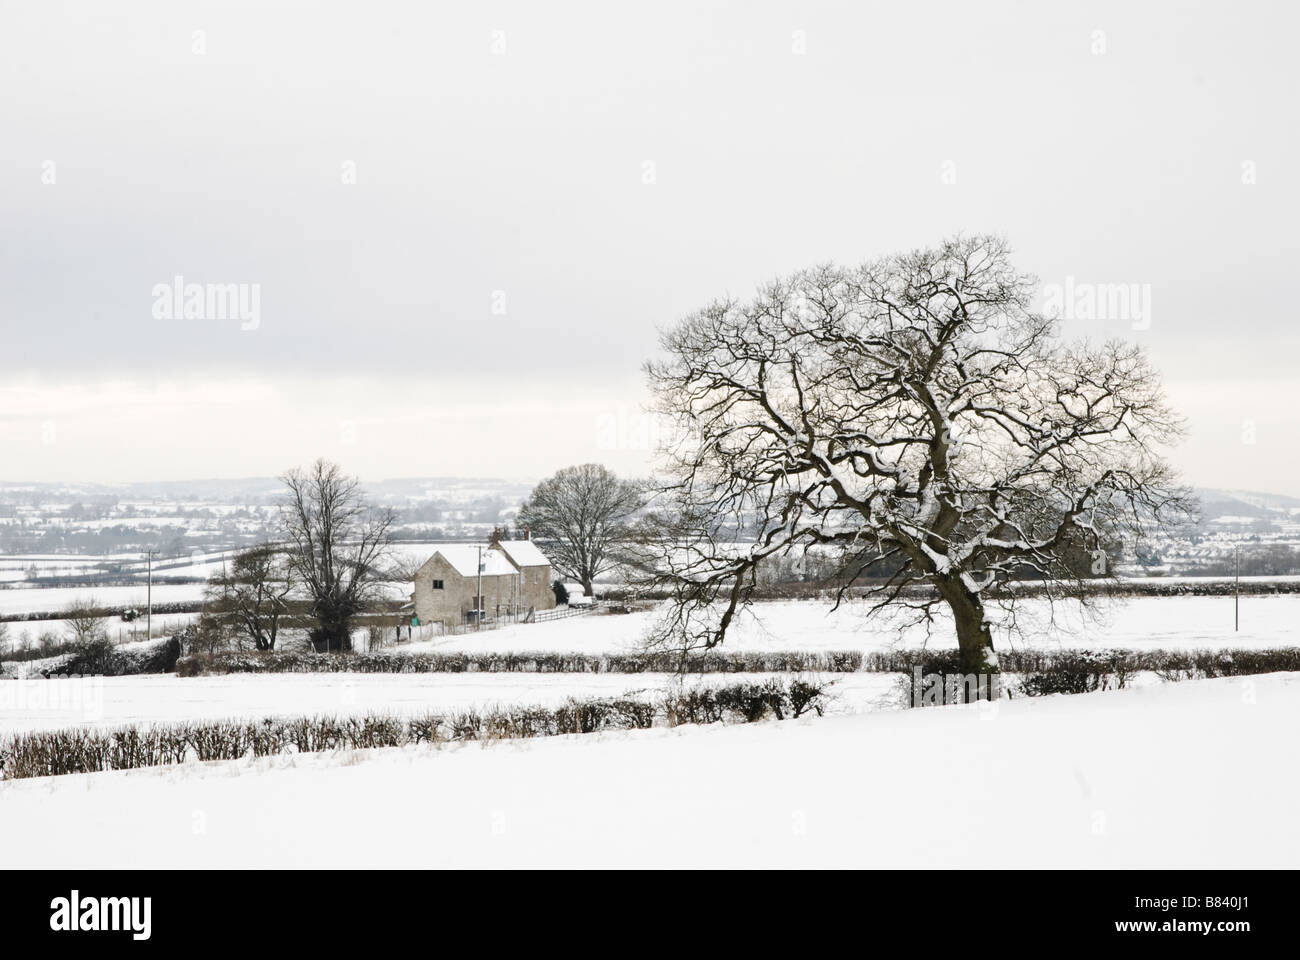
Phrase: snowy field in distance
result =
(1123, 779)
(1182, 622)
(42, 599)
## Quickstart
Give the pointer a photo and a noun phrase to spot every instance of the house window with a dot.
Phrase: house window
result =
(437, 584)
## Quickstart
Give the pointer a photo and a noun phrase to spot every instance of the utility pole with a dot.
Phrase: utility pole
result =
(1236, 592)
(478, 617)
(148, 630)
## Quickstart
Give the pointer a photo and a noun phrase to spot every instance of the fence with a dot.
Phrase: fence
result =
(563, 613)
(430, 631)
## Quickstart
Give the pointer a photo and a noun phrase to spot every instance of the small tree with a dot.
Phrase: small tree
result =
(251, 599)
(336, 546)
(85, 621)
(582, 514)
(87, 635)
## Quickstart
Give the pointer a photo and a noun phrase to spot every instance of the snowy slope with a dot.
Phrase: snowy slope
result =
(1182, 775)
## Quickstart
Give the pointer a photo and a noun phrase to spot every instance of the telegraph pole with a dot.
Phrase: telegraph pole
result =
(148, 630)
(478, 617)
(1236, 592)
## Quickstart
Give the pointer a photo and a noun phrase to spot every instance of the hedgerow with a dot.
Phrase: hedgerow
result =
(1115, 666)
(81, 750)
(842, 661)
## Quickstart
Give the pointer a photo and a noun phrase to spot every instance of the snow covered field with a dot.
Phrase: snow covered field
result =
(27, 705)
(1142, 623)
(119, 631)
(1145, 623)
(1180, 775)
(41, 599)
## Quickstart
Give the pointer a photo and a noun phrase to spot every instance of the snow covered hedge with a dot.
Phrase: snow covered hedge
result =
(148, 656)
(1113, 666)
(81, 750)
(845, 661)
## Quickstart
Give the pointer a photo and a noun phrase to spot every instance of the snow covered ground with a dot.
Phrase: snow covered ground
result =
(40, 704)
(42, 599)
(1141, 623)
(118, 630)
(1181, 775)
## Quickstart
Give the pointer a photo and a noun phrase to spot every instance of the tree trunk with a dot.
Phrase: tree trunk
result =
(975, 655)
(586, 586)
(333, 635)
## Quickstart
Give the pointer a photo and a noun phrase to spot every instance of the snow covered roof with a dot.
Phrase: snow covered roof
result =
(525, 553)
(464, 558)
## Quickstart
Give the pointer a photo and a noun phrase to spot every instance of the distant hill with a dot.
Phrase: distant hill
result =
(1247, 510)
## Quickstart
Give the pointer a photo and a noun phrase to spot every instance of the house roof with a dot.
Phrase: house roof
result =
(525, 553)
(464, 558)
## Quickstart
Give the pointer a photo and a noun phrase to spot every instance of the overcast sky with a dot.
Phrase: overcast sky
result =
(464, 222)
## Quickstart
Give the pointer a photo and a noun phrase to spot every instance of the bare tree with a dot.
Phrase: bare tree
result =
(251, 599)
(85, 621)
(582, 513)
(89, 637)
(914, 415)
(336, 545)
(403, 568)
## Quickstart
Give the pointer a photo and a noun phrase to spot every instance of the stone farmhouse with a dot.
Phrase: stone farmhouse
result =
(515, 578)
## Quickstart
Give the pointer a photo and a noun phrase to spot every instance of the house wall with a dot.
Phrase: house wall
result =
(450, 604)
(536, 588)
(535, 584)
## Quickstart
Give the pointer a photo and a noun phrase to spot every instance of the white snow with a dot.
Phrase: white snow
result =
(1184, 775)
(1182, 622)
(465, 559)
(42, 599)
(526, 553)
(39, 704)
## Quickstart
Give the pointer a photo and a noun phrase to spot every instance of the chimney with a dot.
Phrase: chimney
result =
(496, 536)
(528, 533)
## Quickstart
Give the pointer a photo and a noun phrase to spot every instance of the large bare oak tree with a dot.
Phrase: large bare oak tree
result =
(915, 415)
(336, 545)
